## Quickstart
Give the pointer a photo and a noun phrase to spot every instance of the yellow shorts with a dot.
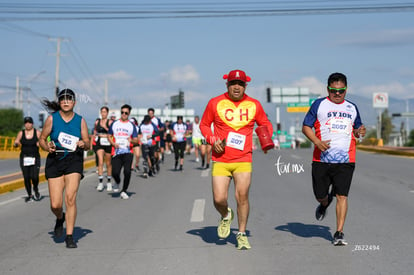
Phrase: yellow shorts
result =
(228, 169)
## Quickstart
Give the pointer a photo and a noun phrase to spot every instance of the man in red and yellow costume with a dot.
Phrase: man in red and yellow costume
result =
(233, 115)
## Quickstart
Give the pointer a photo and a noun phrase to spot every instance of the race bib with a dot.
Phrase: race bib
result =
(123, 143)
(104, 141)
(28, 161)
(236, 141)
(68, 141)
(340, 126)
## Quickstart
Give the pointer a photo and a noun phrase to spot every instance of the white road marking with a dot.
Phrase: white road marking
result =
(10, 201)
(412, 191)
(205, 173)
(197, 215)
(41, 191)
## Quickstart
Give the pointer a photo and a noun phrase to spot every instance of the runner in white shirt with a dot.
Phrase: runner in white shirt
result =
(122, 136)
(199, 141)
(179, 141)
(147, 133)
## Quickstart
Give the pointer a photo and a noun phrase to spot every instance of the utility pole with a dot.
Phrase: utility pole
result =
(58, 41)
(17, 92)
(106, 93)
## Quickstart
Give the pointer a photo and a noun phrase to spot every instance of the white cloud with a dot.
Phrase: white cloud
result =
(383, 38)
(182, 75)
(394, 89)
(315, 85)
(119, 76)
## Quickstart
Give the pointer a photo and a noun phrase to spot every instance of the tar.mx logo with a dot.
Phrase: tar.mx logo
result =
(287, 168)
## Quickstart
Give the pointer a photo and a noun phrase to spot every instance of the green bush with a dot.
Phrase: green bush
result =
(11, 122)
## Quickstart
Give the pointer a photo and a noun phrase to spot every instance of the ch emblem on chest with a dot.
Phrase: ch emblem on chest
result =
(236, 116)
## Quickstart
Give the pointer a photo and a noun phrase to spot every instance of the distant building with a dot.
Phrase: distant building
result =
(163, 114)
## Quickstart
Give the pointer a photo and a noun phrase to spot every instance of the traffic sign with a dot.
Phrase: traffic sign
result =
(298, 107)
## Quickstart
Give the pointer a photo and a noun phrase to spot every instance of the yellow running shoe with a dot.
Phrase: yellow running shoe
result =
(223, 230)
(242, 241)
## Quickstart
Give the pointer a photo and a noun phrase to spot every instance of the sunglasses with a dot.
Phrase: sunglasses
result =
(124, 113)
(337, 90)
(66, 98)
(238, 82)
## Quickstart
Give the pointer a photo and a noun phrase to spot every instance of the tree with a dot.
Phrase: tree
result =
(11, 121)
(386, 126)
(410, 142)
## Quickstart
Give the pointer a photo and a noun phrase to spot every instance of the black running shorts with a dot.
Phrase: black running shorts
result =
(57, 164)
(339, 175)
(106, 148)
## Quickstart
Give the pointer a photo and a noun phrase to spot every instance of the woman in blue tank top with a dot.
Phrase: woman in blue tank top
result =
(65, 136)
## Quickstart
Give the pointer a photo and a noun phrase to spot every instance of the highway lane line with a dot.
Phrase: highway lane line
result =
(41, 191)
(197, 215)
(205, 173)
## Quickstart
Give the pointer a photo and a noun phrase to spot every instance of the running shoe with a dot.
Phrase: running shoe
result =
(37, 196)
(100, 187)
(321, 210)
(197, 160)
(223, 230)
(109, 187)
(116, 187)
(28, 199)
(181, 167)
(207, 166)
(59, 226)
(70, 243)
(339, 239)
(242, 241)
(124, 195)
(202, 162)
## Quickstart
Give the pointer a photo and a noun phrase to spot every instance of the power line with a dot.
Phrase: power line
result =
(103, 13)
(83, 65)
(16, 28)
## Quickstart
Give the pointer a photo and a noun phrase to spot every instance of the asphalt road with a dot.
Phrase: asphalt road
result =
(168, 226)
(10, 166)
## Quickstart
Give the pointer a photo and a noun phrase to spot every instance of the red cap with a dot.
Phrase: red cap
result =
(237, 75)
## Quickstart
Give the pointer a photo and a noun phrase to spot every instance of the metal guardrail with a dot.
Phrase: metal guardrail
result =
(6, 144)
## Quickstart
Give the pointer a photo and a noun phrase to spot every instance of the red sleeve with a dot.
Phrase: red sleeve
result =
(262, 119)
(205, 123)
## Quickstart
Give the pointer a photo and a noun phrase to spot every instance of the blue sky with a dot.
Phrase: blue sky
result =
(147, 61)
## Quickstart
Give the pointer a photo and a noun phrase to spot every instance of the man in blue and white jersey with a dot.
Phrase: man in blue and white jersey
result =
(337, 124)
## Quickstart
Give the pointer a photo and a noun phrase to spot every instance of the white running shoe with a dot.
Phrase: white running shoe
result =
(116, 187)
(124, 195)
(100, 187)
(109, 187)
(197, 160)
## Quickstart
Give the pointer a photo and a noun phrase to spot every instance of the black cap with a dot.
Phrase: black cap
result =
(67, 93)
(28, 119)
